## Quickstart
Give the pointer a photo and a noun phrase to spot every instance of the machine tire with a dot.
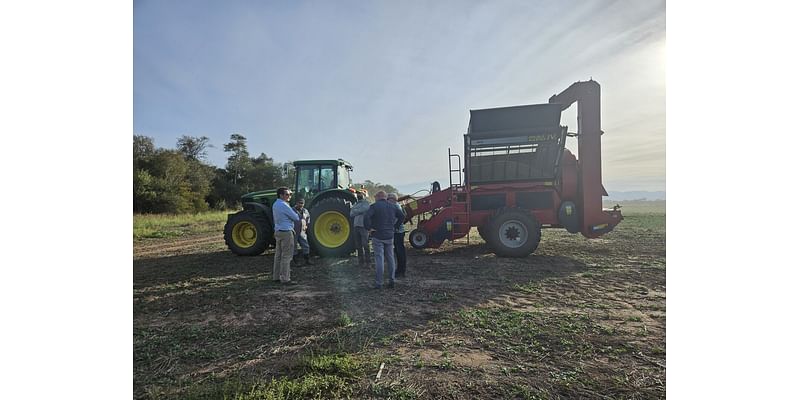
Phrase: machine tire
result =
(331, 231)
(514, 233)
(484, 234)
(247, 233)
(418, 239)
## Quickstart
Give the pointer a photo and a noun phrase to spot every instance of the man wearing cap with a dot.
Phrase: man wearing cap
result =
(285, 218)
(300, 232)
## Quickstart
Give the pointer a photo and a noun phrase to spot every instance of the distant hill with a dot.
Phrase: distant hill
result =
(636, 195)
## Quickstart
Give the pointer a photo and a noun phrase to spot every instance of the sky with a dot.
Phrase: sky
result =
(388, 85)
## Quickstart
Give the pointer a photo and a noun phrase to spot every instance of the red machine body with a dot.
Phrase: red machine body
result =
(519, 178)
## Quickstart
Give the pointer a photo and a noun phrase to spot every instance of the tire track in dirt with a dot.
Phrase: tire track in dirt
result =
(180, 245)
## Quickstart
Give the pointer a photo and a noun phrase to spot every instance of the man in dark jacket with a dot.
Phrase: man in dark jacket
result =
(382, 220)
(399, 238)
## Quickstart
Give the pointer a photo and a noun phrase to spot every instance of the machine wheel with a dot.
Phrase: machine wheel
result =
(247, 233)
(514, 233)
(483, 232)
(418, 239)
(331, 233)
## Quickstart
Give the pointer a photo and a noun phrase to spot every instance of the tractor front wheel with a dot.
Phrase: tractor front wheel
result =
(246, 233)
(514, 233)
(331, 231)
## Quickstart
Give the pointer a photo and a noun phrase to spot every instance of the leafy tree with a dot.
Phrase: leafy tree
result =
(143, 150)
(374, 187)
(193, 148)
(224, 194)
(166, 181)
(263, 174)
(239, 161)
(145, 193)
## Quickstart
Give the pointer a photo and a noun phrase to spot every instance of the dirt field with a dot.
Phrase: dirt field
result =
(578, 319)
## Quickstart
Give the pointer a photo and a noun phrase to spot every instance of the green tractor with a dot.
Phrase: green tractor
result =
(327, 189)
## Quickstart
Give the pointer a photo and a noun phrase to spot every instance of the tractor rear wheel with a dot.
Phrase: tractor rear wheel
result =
(247, 233)
(514, 233)
(331, 231)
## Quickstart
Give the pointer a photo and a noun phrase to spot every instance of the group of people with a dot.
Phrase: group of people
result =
(382, 221)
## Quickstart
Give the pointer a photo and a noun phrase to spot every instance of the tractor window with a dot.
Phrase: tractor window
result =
(307, 181)
(344, 177)
(327, 177)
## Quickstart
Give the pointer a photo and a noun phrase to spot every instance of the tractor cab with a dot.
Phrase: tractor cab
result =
(313, 177)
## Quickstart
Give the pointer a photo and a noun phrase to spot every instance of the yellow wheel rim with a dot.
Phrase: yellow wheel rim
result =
(244, 234)
(331, 229)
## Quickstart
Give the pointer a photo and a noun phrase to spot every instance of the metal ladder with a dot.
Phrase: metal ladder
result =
(458, 188)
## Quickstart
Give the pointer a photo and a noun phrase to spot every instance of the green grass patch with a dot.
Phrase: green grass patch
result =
(309, 386)
(314, 377)
(175, 225)
(321, 377)
(530, 287)
(530, 333)
(343, 365)
(344, 319)
(397, 392)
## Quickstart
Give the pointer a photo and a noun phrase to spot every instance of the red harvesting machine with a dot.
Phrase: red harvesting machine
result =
(518, 178)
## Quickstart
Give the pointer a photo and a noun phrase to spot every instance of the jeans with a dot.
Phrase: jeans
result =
(384, 250)
(362, 244)
(400, 252)
(302, 240)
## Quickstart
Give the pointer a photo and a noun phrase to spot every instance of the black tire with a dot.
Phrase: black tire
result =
(483, 231)
(248, 233)
(514, 233)
(331, 231)
(418, 239)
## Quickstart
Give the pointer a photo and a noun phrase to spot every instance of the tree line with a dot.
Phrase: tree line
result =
(181, 180)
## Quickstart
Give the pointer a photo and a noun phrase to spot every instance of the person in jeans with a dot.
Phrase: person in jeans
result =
(285, 218)
(399, 236)
(382, 219)
(300, 229)
(362, 235)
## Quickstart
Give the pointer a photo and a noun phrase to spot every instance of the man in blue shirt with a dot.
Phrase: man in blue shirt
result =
(383, 219)
(285, 218)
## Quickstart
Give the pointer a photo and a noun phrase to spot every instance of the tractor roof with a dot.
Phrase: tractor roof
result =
(316, 162)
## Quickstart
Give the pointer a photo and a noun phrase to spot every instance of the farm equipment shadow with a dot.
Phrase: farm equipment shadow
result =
(216, 314)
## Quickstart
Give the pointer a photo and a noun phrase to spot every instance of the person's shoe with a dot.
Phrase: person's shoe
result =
(289, 283)
(308, 260)
(376, 286)
(391, 285)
